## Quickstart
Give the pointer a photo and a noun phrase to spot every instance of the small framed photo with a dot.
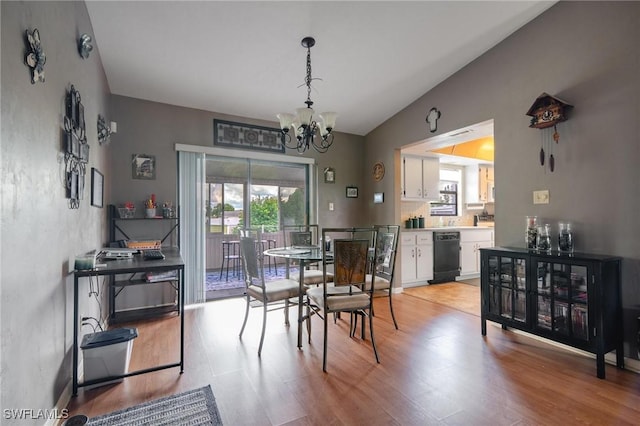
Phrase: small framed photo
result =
(143, 166)
(352, 192)
(329, 175)
(378, 197)
(97, 188)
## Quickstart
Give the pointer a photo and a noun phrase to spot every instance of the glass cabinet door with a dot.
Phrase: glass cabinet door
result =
(561, 298)
(507, 287)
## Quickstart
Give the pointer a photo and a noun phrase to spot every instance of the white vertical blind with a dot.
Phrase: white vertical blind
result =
(191, 197)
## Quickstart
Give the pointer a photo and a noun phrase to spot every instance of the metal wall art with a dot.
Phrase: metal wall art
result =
(35, 58)
(432, 119)
(246, 136)
(104, 131)
(76, 148)
(84, 46)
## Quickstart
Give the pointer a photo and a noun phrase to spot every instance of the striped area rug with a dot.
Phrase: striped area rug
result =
(195, 407)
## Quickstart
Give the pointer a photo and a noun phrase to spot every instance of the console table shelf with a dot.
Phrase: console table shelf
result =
(572, 299)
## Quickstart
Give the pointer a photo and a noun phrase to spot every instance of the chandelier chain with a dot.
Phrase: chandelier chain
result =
(308, 79)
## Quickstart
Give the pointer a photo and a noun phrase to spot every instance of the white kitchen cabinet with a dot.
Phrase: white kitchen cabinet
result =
(416, 257)
(471, 241)
(479, 183)
(420, 178)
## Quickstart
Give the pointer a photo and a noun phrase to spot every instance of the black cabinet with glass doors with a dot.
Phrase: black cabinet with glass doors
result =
(572, 298)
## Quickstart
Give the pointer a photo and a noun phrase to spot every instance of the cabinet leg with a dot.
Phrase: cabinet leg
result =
(600, 365)
(504, 327)
(620, 356)
(483, 322)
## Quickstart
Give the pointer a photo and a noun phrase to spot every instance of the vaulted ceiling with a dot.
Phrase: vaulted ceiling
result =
(371, 59)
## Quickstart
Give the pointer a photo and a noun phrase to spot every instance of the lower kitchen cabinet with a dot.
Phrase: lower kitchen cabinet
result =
(416, 257)
(572, 298)
(471, 241)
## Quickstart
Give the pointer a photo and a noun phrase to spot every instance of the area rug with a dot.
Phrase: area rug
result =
(195, 407)
(218, 287)
(456, 295)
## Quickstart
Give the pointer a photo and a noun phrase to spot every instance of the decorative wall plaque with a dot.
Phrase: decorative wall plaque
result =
(245, 136)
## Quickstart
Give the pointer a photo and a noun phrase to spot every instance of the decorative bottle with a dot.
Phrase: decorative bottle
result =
(531, 233)
(565, 237)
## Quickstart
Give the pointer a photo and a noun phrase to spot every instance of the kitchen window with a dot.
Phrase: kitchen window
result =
(448, 203)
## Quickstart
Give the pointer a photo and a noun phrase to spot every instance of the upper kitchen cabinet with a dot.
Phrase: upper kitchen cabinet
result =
(479, 186)
(420, 178)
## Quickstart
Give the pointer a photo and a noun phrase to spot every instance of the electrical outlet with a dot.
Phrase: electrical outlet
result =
(541, 197)
(330, 207)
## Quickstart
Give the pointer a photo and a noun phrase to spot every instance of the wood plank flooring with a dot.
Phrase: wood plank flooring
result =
(437, 369)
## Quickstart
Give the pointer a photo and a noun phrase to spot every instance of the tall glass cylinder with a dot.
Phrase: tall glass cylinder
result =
(531, 233)
(544, 237)
(565, 237)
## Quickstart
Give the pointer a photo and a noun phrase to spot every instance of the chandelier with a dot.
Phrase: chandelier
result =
(307, 131)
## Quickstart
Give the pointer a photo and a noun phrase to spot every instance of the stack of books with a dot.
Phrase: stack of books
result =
(154, 277)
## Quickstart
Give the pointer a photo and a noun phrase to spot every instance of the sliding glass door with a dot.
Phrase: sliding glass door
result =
(252, 193)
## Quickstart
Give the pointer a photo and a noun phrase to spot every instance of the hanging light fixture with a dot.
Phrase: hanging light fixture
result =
(303, 123)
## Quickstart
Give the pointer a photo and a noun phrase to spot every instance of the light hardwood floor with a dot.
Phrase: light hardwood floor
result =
(436, 369)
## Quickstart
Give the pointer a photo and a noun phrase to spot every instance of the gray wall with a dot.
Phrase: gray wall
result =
(587, 54)
(152, 128)
(39, 231)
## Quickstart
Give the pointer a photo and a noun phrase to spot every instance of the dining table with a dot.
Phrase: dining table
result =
(304, 256)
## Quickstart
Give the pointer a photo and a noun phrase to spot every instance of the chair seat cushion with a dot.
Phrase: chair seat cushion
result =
(380, 283)
(313, 276)
(275, 290)
(338, 298)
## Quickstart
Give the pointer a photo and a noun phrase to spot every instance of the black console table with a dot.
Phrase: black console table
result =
(172, 262)
(571, 298)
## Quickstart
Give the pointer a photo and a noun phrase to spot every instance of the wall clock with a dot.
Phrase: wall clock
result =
(378, 171)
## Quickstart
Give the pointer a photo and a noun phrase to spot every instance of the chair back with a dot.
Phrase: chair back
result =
(251, 260)
(386, 248)
(350, 259)
(300, 235)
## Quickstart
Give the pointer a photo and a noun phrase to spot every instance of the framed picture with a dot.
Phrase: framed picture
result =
(143, 166)
(352, 192)
(378, 197)
(329, 175)
(97, 188)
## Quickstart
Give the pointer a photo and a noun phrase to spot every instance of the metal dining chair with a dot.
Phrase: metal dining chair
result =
(348, 292)
(385, 264)
(257, 289)
(305, 235)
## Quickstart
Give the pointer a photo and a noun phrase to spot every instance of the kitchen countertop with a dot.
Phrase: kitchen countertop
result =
(448, 228)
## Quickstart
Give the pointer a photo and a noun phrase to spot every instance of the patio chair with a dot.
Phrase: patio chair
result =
(257, 289)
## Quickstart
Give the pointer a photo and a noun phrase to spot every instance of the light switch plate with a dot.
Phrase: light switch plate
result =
(541, 197)
(330, 207)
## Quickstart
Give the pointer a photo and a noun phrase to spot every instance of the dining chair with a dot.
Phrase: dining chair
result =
(385, 263)
(257, 289)
(305, 235)
(350, 260)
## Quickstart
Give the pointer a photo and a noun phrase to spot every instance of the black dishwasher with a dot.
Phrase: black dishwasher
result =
(446, 256)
